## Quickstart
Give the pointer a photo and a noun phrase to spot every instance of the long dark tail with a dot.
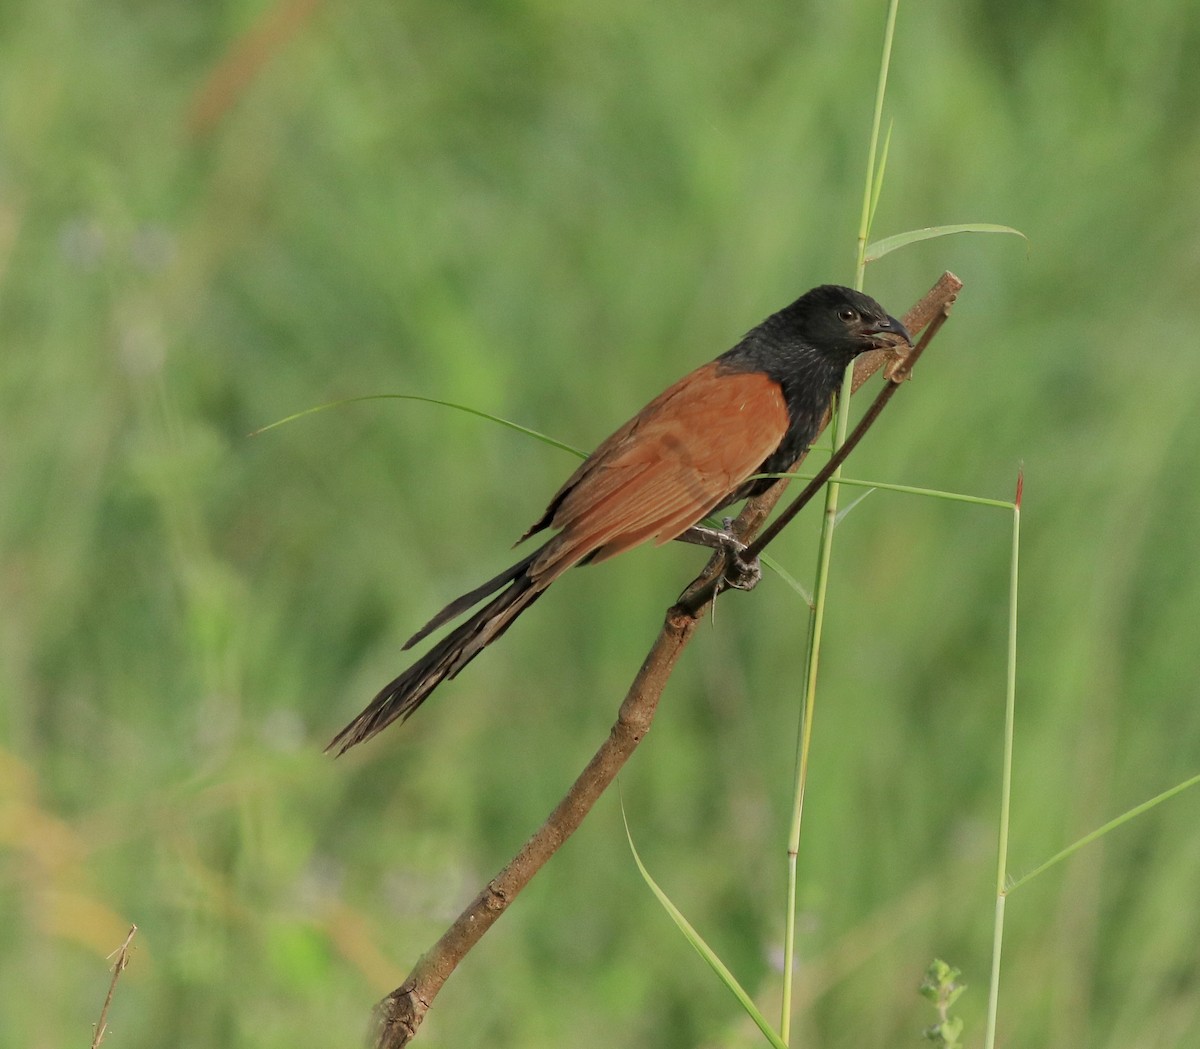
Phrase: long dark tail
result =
(402, 696)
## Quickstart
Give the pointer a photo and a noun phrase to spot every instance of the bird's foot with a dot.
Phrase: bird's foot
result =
(740, 573)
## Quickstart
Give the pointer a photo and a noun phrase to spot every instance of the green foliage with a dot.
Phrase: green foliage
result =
(941, 987)
(548, 213)
(887, 245)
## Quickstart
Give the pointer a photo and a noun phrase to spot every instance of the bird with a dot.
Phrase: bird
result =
(700, 445)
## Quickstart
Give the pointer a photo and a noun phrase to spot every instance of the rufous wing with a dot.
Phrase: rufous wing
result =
(669, 466)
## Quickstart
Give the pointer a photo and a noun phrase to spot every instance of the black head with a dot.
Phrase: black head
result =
(840, 323)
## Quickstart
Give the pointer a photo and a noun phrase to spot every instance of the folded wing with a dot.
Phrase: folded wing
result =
(678, 459)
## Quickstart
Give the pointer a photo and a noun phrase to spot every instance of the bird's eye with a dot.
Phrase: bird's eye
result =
(847, 314)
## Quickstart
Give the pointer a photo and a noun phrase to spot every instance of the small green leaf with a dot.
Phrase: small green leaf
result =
(879, 248)
(941, 987)
(702, 948)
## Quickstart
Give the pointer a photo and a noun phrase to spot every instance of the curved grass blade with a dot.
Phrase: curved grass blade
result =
(1099, 832)
(787, 577)
(879, 248)
(702, 948)
(877, 189)
(843, 511)
(544, 438)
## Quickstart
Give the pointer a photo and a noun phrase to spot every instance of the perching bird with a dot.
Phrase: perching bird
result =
(692, 450)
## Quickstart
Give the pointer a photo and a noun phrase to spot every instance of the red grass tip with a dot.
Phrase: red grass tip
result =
(1020, 485)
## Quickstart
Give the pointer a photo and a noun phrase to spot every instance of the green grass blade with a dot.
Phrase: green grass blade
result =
(787, 577)
(929, 493)
(873, 185)
(907, 489)
(841, 514)
(878, 187)
(1099, 832)
(544, 438)
(877, 249)
(702, 948)
(1010, 711)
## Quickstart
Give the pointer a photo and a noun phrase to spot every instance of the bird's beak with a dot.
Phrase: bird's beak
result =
(891, 334)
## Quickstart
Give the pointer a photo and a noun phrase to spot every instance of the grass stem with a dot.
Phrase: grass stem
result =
(1010, 708)
(825, 552)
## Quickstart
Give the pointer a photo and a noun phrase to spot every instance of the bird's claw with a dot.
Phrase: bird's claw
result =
(740, 573)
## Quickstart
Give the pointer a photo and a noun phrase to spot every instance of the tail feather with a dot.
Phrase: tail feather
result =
(460, 604)
(402, 696)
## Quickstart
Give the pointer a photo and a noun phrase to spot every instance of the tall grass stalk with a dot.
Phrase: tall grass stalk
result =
(1010, 709)
(825, 549)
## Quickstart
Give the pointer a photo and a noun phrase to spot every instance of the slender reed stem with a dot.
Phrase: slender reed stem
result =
(870, 194)
(1010, 708)
(816, 620)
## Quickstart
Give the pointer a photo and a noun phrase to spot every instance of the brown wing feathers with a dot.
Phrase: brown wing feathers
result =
(692, 448)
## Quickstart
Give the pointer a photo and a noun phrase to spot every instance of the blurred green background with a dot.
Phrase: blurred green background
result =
(213, 215)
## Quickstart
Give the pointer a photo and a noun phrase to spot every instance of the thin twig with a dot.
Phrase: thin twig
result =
(122, 955)
(398, 1016)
